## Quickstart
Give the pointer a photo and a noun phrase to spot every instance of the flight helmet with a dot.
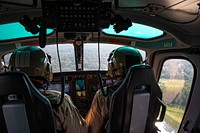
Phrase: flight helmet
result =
(33, 61)
(121, 59)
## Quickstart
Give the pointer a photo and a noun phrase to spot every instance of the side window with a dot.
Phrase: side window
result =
(175, 82)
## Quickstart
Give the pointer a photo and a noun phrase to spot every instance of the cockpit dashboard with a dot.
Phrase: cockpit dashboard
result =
(81, 86)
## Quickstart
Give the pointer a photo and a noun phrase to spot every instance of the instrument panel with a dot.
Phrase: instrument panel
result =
(81, 86)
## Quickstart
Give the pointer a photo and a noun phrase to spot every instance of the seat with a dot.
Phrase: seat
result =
(23, 108)
(135, 105)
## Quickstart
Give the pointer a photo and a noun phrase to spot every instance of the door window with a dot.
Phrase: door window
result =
(175, 82)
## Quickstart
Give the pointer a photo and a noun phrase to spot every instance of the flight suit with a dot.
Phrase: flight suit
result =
(97, 116)
(67, 116)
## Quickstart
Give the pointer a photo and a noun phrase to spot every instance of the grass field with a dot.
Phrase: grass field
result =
(174, 116)
(170, 88)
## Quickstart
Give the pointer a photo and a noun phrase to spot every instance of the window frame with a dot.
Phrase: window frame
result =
(157, 63)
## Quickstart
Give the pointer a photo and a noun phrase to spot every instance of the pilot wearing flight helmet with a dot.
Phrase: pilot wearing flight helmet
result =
(119, 61)
(37, 65)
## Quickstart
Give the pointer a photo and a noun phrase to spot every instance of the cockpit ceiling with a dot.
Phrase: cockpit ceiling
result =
(28, 3)
(166, 15)
(162, 3)
(178, 11)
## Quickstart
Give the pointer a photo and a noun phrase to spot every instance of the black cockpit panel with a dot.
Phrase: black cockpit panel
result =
(81, 86)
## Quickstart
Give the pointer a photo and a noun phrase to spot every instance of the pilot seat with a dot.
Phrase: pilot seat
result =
(23, 108)
(136, 105)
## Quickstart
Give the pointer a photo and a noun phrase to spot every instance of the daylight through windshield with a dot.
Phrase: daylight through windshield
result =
(90, 56)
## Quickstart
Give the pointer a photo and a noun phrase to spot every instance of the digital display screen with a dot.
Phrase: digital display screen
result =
(80, 84)
(57, 87)
(109, 82)
(81, 93)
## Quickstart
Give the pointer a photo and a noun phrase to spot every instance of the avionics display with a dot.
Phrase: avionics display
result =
(80, 87)
(81, 94)
(80, 84)
(57, 86)
(108, 82)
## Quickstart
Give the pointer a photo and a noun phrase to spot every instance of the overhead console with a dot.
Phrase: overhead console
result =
(76, 15)
(81, 86)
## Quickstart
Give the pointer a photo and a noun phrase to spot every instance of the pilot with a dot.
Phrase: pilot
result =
(119, 61)
(37, 65)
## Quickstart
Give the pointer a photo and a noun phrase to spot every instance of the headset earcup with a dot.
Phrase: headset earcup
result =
(48, 72)
(111, 69)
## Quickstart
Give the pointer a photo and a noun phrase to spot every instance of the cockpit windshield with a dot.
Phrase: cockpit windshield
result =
(90, 56)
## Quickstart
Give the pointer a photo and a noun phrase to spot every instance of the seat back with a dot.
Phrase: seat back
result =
(23, 108)
(136, 104)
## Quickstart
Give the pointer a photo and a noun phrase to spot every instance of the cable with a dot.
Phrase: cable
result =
(61, 75)
(99, 50)
(153, 5)
(58, 53)
(188, 22)
(99, 74)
